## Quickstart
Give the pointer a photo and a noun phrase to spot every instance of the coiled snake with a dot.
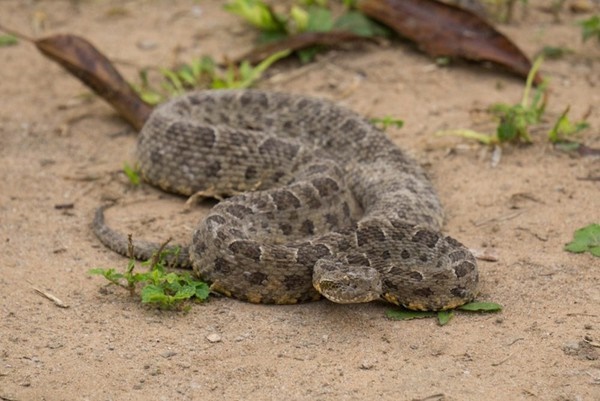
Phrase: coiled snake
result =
(318, 202)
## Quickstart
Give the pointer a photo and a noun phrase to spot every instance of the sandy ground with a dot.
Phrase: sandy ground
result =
(58, 147)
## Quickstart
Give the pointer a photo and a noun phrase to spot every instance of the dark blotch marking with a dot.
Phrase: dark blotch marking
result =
(309, 196)
(212, 168)
(415, 275)
(457, 256)
(317, 169)
(423, 292)
(331, 219)
(285, 228)
(346, 209)
(463, 269)
(200, 246)
(222, 266)
(294, 282)
(405, 254)
(326, 186)
(453, 242)
(251, 173)
(256, 278)
(285, 200)
(364, 235)
(248, 249)
(238, 211)
(307, 227)
(237, 139)
(429, 238)
(358, 259)
(251, 98)
(386, 254)
(274, 146)
(390, 284)
(459, 292)
(215, 218)
(277, 175)
(309, 254)
(423, 258)
(354, 130)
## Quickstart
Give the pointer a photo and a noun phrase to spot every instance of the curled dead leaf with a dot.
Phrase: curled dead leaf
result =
(442, 29)
(84, 61)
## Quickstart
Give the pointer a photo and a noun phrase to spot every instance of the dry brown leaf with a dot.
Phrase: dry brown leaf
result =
(84, 61)
(441, 29)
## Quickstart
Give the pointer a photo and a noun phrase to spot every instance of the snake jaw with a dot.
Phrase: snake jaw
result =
(344, 284)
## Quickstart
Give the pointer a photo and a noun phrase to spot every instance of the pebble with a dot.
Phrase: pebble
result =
(214, 338)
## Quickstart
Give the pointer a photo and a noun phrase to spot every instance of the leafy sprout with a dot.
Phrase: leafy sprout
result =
(165, 290)
(586, 239)
(443, 316)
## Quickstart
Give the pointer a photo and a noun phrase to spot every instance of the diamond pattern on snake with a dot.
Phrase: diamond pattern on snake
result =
(317, 202)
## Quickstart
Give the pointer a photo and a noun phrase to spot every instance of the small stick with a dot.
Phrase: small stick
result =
(51, 297)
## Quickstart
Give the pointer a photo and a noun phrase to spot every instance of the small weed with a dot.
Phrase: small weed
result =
(387, 121)
(8, 40)
(164, 290)
(517, 120)
(586, 239)
(590, 28)
(132, 173)
(304, 16)
(564, 128)
(443, 316)
(202, 73)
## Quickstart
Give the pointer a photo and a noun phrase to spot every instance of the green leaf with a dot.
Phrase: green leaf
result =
(319, 20)
(256, 13)
(586, 239)
(469, 134)
(405, 314)
(481, 307)
(8, 40)
(563, 128)
(202, 290)
(387, 121)
(132, 174)
(153, 294)
(590, 27)
(356, 22)
(444, 317)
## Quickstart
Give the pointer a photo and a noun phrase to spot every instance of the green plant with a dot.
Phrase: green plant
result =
(132, 173)
(165, 290)
(304, 16)
(8, 40)
(443, 316)
(590, 28)
(515, 120)
(201, 73)
(586, 239)
(564, 128)
(386, 122)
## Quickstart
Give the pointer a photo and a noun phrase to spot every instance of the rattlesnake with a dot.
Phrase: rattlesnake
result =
(318, 202)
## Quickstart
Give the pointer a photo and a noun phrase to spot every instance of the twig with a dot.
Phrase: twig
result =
(51, 297)
(502, 361)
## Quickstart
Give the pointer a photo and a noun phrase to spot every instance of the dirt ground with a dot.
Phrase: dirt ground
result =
(59, 146)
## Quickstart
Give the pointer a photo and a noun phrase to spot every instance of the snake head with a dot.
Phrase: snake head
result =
(346, 284)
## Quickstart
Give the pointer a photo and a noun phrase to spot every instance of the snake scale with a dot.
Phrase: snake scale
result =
(317, 202)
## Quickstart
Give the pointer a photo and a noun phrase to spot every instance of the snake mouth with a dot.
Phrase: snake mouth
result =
(345, 284)
(345, 293)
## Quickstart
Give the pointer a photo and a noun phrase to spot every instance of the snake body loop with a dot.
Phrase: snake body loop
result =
(318, 202)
